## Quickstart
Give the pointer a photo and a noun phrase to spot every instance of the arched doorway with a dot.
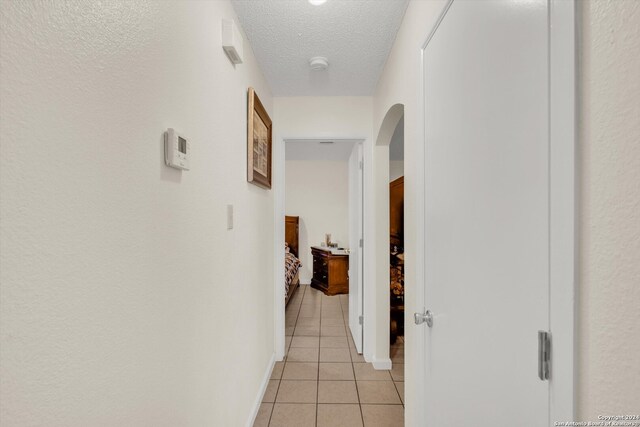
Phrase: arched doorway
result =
(391, 132)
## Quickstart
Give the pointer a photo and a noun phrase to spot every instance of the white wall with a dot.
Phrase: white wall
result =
(347, 117)
(124, 297)
(396, 169)
(396, 152)
(609, 209)
(318, 192)
(609, 195)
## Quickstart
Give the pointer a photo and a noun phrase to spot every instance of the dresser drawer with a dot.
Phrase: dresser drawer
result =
(330, 272)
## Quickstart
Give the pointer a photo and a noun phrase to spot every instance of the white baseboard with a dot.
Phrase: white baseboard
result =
(263, 388)
(381, 364)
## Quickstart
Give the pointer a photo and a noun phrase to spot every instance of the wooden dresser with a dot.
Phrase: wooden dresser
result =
(396, 212)
(330, 272)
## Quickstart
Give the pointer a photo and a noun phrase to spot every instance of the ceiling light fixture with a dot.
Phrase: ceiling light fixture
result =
(317, 2)
(326, 142)
(319, 63)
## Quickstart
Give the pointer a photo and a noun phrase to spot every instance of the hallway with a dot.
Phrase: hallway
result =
(143, 202)
(323, 381)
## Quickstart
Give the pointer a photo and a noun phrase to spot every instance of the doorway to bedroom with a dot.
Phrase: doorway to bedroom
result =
(323, 232)
(324, 378)
(323, 207)
(396, 249)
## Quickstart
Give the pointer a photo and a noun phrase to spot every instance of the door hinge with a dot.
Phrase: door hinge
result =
(361, 242)
(544, 355)
(360, 320)
(361, 164)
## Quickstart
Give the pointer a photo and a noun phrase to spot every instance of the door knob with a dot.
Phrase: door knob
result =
(426, 317)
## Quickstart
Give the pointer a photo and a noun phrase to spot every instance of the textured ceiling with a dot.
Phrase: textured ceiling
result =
(355, 35)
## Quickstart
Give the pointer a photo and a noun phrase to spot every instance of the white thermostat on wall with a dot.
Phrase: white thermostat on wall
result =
(177, 150)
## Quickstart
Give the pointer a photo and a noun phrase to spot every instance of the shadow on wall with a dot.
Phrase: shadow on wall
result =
(167, 173)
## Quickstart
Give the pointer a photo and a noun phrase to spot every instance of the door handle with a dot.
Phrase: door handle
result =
(426, 317)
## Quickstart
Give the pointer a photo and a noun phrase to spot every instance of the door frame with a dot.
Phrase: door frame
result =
(356, 235)
(279, 210)
(378, 303)
(562, 211)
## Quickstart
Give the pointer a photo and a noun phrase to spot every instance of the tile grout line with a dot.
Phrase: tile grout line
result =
(398, 392)
(285, 356)
(295, 326)
(318, 371)
(393, 379)
(355, 380)
(322, 304)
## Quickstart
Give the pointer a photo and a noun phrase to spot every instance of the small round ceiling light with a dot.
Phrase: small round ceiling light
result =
(319, 63)
(317, 2)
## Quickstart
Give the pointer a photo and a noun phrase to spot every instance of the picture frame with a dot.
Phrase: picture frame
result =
(259, 142)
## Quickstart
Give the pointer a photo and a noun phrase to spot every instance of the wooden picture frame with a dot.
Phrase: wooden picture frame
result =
(259, 144)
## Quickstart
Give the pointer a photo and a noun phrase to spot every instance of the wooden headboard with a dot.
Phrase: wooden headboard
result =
(291, 225)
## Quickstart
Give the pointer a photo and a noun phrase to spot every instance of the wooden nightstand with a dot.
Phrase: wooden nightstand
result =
(330, 271)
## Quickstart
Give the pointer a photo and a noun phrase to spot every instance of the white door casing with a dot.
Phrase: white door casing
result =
(356, 193)
(493, 256)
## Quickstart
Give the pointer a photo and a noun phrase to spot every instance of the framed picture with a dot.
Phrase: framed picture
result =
(259, 146)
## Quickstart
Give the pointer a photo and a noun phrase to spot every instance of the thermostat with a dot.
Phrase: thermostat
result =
(177, 150)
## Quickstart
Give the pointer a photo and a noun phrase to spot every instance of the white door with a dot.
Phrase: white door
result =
(355, 237)
(486, 89)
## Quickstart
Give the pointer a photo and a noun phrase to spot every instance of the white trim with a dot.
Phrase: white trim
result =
(443, 13)
(278, 171)
(369, 251)
(562, 124)
(356, 258)
(379, 290)
(415, 396)
(263, 388)
(381, 364)
(279, 212)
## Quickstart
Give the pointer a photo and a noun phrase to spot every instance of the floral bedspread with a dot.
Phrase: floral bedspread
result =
(291, 267)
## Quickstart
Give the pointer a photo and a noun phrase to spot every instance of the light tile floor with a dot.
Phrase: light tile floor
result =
(323, 381)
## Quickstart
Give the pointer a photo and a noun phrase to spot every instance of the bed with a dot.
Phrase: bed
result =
(292, 263)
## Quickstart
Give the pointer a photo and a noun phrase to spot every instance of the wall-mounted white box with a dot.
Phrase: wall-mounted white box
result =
(232, 41)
